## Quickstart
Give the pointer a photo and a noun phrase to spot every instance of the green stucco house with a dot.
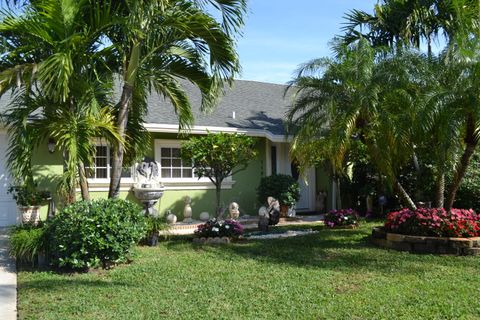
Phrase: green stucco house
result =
(252, 108)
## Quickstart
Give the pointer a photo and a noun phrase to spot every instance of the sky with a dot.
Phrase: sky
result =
(279, 35)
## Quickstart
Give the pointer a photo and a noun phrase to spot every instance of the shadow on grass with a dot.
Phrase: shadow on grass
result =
(64, 283)
(346, 250)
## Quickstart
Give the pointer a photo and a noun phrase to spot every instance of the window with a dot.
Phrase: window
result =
(172, 165)
(102, 165)
(177, 174)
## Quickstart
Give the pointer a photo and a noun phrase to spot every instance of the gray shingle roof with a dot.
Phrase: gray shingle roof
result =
(257, 105)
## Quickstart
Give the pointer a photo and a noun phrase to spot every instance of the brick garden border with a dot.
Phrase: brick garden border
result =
(420, 244)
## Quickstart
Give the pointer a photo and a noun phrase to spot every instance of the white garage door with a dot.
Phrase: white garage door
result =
(8, 209)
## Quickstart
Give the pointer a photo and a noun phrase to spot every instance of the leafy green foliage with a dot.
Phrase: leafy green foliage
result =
(58, 68)
(468, 195)
(27, 195)
(219, 155)
(26, 241)
(282, 187)
(87, 234)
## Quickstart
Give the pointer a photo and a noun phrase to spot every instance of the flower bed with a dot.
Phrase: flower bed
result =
(431, 230)
(434, 222)
(220, 230)
(344, 218)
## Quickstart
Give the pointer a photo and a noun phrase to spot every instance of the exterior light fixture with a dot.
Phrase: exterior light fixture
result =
(51, 145)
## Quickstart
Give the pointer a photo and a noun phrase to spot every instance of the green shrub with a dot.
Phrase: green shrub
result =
(26, 242)
(89, 234)
(468, 195)
(153, 225)
(282, 187)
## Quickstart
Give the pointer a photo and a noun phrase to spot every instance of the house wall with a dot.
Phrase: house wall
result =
(243, 190)
(48, 168)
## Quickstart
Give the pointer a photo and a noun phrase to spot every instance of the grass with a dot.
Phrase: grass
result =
(335, 274)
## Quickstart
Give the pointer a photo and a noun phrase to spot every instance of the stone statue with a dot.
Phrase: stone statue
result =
(273, 211)
(148, 173)
(320, 201)
(204, 216)
(187, 210)
(292, 212)
(269, 216)
(148, 188)
(234, 211)
(171, 218)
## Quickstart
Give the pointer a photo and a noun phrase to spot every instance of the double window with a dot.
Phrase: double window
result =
(172, 165)
(101, 168)
(174, 171)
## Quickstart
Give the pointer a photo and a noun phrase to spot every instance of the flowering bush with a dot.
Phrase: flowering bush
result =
(219, 228)
(343, 217)
(434, 222)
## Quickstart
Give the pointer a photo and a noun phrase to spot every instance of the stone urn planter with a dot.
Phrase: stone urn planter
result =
(29, 214)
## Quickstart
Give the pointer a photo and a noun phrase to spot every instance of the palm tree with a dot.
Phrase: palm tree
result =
(462, 72)
(56, 66)
(337, 100)
(397, 23)
(161, 42)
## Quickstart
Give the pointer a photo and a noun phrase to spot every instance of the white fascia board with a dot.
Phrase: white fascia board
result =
(172, 128)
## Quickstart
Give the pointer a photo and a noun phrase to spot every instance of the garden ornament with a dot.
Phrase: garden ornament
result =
(233, 210)
(187, 210)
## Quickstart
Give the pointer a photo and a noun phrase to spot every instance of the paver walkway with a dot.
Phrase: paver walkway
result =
(8, 280)
(251, 223)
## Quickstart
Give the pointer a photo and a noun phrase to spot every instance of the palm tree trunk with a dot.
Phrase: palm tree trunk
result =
(459, 174)
(123, 108)
(69, 186)
(83, 182)
(119, 149)
(404, 197)
(440, 191)
(471, 143)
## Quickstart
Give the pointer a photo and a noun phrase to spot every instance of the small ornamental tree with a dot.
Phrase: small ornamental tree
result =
(217, 156)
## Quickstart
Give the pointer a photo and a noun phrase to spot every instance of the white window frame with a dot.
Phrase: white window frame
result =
(193, 183)
(103, 181)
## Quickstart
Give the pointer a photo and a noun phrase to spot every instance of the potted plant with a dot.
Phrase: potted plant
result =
(282, 187)
(153, 227)
(29, 200)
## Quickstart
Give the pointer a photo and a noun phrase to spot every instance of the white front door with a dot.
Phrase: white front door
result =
(8, 209)
(307, 188)
(307, 197)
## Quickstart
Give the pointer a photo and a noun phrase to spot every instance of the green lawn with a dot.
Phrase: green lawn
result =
(335, 274)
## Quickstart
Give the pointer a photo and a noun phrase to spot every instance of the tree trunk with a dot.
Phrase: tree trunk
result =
(334, 193)
(339, 195)
(404, 197)
(471, 143)
(119, 149)
(123, 107)
(459, 174)
(218, 189)
(440, 190)
(70, 195)
(83, 182)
